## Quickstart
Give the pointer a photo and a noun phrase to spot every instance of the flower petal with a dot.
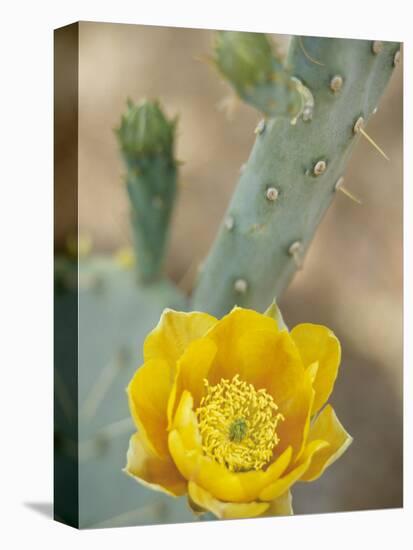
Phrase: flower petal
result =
(192, 369)
(175, 330)
(326, 427)
(293, 430)
(319, 344)
(148, 394)
(270, 360)
(281, 506)
(185, 446)
(151, 470)
(266, 359)
(185, 421)
(224, 510)
(282, 485)
(250, 345)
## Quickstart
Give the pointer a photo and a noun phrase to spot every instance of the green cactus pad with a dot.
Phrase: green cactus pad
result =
(292, 174)
(115, 315)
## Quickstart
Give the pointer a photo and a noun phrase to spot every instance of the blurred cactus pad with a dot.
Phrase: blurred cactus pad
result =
(115, 314)
(311, 103)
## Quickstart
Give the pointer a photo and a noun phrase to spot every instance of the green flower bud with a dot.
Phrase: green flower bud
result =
(247, 61)
(145, 131)
(243, 58)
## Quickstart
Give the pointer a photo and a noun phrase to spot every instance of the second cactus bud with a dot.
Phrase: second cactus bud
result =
(146, 139)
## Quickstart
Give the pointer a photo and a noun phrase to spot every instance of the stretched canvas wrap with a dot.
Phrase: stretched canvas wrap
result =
(228, 275)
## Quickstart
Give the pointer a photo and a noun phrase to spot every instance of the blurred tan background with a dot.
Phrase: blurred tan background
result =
(352, 279)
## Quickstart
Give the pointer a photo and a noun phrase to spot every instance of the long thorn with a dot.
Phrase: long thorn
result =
(372, 142)
(350, 195)
(117, 428)
(100, 388)
(307, 55)
(229, 105)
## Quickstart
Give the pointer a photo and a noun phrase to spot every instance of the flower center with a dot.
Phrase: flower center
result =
(238, 430)
(238, 424)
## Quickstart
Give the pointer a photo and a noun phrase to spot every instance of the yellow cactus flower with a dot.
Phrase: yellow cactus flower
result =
(230, 412)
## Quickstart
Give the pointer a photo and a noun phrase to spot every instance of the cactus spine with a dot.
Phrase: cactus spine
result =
(146, 139)
(291, 176)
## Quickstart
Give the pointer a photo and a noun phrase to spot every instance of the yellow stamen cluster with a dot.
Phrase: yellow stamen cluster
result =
(238, 424)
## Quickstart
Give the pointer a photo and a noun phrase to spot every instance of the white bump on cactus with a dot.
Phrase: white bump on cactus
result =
(296, 251)
(307, 102)
(241, 286)
(272, 194)
(377, 47)
(339, 183)
(396, 58)
(358, 125)
(336, 83)
(320, 167)
(229, 223)
(260, 127)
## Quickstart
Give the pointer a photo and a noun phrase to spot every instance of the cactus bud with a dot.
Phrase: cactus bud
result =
(144, 130)
(247, 61)
(146, 138)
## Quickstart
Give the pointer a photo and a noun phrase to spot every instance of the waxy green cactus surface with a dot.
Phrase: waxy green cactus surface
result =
(293, 172)
(93, 365)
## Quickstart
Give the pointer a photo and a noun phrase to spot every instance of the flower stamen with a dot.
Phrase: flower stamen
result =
(238, 424)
